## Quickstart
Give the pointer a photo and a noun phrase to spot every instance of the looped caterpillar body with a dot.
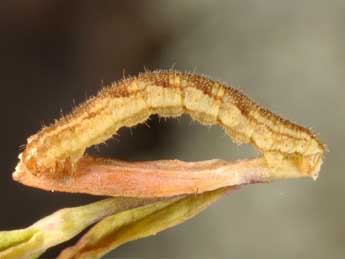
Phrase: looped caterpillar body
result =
(286, 146)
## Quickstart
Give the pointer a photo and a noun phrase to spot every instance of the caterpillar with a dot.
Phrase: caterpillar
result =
(57, 148)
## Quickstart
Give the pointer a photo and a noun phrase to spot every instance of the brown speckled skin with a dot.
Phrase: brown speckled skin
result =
(57, 148)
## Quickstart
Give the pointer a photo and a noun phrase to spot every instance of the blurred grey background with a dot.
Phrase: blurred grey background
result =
(289, 56)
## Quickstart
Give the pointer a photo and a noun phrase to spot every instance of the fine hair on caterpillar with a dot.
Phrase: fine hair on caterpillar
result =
(56, 149)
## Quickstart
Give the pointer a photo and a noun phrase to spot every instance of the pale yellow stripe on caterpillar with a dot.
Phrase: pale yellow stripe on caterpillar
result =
(170, 93)
(164, 94)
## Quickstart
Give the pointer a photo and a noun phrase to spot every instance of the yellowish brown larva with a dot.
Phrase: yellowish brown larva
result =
(57, 148)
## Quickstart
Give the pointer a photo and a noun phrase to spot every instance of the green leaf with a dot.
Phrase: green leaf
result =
(137, 223)
(61, 226)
